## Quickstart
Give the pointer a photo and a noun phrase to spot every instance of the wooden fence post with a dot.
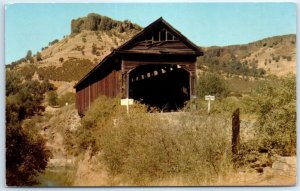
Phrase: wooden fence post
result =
(235, 131)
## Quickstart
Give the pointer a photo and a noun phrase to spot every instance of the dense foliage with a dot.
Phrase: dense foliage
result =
(212, 84)
(68, 97)
(274, 105)
(38, 56)
(52, 98)
(26, 154)
(71, 70)
(276, 108)
(142, 148)
(230, 66)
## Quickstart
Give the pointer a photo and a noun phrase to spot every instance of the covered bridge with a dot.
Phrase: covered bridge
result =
(156, 67)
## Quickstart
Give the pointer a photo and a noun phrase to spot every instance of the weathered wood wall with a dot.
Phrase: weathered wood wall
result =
(108, 86)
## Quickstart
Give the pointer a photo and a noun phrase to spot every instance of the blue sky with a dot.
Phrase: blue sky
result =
(32, 26)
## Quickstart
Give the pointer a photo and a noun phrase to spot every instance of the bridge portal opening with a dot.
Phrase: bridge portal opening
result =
(165, 87)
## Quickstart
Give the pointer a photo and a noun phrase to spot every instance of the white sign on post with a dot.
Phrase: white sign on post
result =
(127, 102)
(209, 98)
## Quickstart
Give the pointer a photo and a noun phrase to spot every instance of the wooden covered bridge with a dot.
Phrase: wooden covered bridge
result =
(156, 67)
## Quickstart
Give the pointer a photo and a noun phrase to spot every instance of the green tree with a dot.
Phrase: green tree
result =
(276, 107)
(26, 154)
(212, 84)
(52, 98)
(28, 55)
(13, 82)
(38, 56)
(69, 98)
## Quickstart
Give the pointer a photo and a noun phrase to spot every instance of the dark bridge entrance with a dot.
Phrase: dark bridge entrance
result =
(162, 86)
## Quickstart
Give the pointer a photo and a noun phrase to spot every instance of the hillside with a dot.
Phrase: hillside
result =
(66, 61)
(274, 55)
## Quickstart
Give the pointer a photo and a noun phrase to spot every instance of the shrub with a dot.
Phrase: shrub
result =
(26, 156)
(28, 55)
(276, 103)
(38, 56)
(53, 42)
(26, 153)
(52, 98)
(31, 60)
(142, 147)
(61, 59)
(76, 68)
(165, 150)
(68, 97)
(212, 84)
(27, 71)
(94, 49)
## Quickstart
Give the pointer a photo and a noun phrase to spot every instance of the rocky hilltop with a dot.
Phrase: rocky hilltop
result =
(96, 22)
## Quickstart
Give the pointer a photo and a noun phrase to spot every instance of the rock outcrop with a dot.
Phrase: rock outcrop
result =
(95, 22)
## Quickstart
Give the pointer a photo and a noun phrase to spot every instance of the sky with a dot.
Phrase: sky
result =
(33, 26)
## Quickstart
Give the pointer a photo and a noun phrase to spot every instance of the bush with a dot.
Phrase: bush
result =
(26, 156)
(71, 70)
(38, 56)
(53, 42)
(26, 153)
(61, 59)
(164, 150)
(142, 147)
(274, 103)
(25, 101)
(94, 49)
(52, 98)
(212, 84)
(28, 55)
(276, 107)
(69, 98)
(27, 71)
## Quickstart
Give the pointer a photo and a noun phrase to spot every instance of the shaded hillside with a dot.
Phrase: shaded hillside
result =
(273, 55)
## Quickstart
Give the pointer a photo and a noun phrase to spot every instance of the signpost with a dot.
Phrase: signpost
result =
(127, 102)
(209, 98)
